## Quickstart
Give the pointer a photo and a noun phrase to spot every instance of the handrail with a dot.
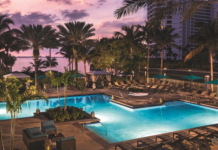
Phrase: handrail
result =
(122, 95)
(104, 127)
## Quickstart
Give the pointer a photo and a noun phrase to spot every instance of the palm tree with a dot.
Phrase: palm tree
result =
(37, 37)
(15, 98)
(9, 61)
(188, 8)
(164, 37)
(206, 38)
(27, 69)
(40, 64)
(131, 37)
(86, 53)
(56, 81)
(146, 35)
(50, 62)
(76, 34)
(66, 52)
(5, 23)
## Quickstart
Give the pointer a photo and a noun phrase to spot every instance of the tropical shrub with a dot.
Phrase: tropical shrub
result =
(59, 115)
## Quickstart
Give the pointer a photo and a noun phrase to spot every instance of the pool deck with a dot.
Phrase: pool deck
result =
(87, 140)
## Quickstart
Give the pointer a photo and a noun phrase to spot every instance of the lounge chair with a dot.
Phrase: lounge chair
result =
(190, 95)
(124, 146)
(193, 140)
(175, 144)
(34, 139)
(148, 143)
(197, 96)
(48, 127)
(68, 143)
(123, 84)
(210, 97)
(48, 89)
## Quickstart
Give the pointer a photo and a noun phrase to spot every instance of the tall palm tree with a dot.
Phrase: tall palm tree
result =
(5, 23)
(9, 61)
(50, 62)
(206, 38)
(76, 34)
(66, 52)
(15, 98)
(86, 53)
(40, 64)
(37, 37)
(10, 42)
(164, 37)
(146, 33)
(131, 37)
(188, 8)
(27, 69)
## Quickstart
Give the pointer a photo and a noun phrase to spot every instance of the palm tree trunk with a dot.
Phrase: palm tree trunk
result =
(65, 97)
(69, 61)
(2, 144)
(161, 65)
(148, 63)
(36, 72)
(7, 58)
(76, 66)
(85, 71)
(131, 76)
(58, 97)
(50, 60)
(211, 67)
(12, 131)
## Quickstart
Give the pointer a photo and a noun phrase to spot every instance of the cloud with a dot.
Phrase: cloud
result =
(68, 2)
(101, 2)
(118, 24)
(33, 18)
(74, 14)
(4, 3)
(90, 4)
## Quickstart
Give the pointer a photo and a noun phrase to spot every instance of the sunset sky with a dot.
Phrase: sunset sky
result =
(55, 12)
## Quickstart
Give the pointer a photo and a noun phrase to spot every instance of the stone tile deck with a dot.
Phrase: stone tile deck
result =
(85, 141)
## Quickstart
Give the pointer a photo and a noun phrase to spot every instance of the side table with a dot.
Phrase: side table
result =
(59, 136)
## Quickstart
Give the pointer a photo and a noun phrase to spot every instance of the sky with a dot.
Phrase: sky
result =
(100, 13)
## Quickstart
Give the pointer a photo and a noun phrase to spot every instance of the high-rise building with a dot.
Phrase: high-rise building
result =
(184, 29)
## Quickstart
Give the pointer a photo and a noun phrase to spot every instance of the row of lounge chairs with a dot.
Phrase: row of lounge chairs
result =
(36, 138)
(152, 87)
(197, 138)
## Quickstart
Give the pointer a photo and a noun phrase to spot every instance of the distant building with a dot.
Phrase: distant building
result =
(185, 30)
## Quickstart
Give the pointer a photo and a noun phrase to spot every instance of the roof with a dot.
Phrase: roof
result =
(99, 73)
(16, 75)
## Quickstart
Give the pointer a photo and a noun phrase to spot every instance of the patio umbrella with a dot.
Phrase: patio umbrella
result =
(192, 77)
(77, 75)
(42, 77)
(215, 82)
(160, 76)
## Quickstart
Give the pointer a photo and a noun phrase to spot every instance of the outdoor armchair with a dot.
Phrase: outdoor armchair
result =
(48, 127)
(33, 138)
(68, 143)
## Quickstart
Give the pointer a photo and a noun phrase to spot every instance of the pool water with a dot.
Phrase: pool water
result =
(124, 123)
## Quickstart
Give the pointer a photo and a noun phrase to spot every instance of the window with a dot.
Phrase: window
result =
(169, 21)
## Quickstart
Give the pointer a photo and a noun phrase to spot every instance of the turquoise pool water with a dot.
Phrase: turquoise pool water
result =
(125, 123)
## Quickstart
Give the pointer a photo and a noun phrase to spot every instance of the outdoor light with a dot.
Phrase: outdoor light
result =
(189, 70)
(37, 111)
(145, 67)
(93, 114)
(165, 68)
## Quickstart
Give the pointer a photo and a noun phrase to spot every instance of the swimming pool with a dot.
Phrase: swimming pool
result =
(125, 123)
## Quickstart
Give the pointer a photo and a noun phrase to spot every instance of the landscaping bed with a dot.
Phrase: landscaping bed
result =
(71, 114)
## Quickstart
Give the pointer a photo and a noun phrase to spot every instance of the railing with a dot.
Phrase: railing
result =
(104, 127)
(121, 95)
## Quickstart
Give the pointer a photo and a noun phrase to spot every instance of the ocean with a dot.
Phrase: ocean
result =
(62, 62)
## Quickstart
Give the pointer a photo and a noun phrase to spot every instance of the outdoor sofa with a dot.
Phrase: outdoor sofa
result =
(34, 139)
(48, 127)
(68, 143)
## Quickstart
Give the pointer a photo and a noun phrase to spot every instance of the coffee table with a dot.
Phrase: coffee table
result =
(59, 136)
